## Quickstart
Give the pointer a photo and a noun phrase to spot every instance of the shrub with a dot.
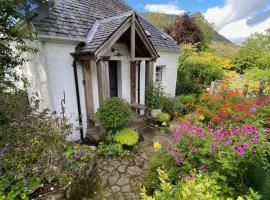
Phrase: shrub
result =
(257, 74)
(226, 152)
(155, 95)
(187, 86)
(198, 186)
(36, 143)
(171, 105)
(111, 149)
(114, 114)
(127, 137)
(187, 99)
(162, 159)
(163, 117)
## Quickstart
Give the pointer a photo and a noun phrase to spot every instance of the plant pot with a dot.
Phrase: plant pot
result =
(154, 112)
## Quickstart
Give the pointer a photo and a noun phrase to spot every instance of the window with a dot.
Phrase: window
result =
(159, 73)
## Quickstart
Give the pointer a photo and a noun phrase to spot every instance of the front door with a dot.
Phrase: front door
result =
(113, 78)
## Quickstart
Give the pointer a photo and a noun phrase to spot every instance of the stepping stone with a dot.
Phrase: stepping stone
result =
(123, 181)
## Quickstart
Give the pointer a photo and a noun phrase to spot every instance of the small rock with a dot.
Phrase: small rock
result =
(130, 196)
(122, 168)
(115, 189)
(134, 171)
(126, 188)
(144, 156)
(115, 164)
(138, 160)
(123, 181)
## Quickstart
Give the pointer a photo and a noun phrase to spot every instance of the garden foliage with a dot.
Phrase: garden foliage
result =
(114, 114)
(155, 95)
(127, 137)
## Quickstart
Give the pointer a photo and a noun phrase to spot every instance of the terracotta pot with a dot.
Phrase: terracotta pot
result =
(154, 112)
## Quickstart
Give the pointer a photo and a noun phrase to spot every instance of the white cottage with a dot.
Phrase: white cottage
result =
(91, 50)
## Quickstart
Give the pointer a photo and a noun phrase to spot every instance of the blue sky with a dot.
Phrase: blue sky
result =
(235, 19)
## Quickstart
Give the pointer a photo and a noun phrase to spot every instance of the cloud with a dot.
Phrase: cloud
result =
(168, 8)
(258, 18)
(232, 11)
(239, 31)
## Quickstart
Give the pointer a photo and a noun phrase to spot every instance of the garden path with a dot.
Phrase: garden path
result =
(119, 178)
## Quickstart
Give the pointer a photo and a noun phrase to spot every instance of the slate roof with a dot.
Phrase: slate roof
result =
(101, 31)
(76, 19)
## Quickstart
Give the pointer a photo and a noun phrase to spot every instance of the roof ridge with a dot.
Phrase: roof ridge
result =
(126, 14)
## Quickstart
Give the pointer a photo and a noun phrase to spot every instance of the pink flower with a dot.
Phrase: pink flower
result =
(229, 142)
(245, 146)
(255, 139)
(203, 168)
(175, 150)
(194, 150)
(239, 150)
(179, 161)
(213, 147)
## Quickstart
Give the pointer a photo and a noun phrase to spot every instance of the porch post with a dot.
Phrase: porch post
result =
(88, 89)
(132, 82)
(103, 81)
(149, 75)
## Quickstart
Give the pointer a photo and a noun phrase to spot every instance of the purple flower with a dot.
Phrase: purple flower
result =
(175, 150)
(239, 150)
(229, 142)
(255, 139)
(179, 161)
(213, 147)
(194, 150)
(245, 146)
(203, 168)
(266, 131)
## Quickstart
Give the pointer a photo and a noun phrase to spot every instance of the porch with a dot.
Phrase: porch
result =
(122, 66)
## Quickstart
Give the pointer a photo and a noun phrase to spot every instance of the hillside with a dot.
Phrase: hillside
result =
(162, 20)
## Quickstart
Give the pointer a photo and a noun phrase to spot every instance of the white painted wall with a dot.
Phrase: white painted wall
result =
(36, 71)
(170, 61)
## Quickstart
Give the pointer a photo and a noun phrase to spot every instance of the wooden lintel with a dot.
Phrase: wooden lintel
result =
(133, 35)
(88, 89)
(144, 59)
(85, 57)
(133, 66)
(103, 81)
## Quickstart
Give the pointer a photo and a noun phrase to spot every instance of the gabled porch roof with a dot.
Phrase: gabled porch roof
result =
(106, 32)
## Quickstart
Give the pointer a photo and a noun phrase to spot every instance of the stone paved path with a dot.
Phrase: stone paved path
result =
(122, 178)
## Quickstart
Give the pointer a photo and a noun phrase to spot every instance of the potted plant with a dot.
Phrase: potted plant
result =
(154, 98)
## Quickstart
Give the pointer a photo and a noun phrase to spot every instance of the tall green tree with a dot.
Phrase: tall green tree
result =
(255, 53)
(206, 28)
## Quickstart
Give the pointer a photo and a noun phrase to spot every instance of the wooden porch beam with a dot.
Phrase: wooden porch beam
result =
(133, 34)
(103, 81)
(133, 82)
(88, 89)
(149, 75)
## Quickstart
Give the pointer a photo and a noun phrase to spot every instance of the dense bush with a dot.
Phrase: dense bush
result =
(223, 152)
(127, 137)
(114, 114)
(187, 99)
(257, 74)
(164, 160)
(198, 186)
(119, 143)
(197, 69)
(171, 105)
(154, 95)
(163, 117)
(34, 151)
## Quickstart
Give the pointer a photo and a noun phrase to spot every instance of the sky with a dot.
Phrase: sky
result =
(235, 19)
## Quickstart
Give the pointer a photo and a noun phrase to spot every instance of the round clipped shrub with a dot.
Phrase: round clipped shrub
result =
(172, 105)
(127, 137)
(163, 117)
(114, 114)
